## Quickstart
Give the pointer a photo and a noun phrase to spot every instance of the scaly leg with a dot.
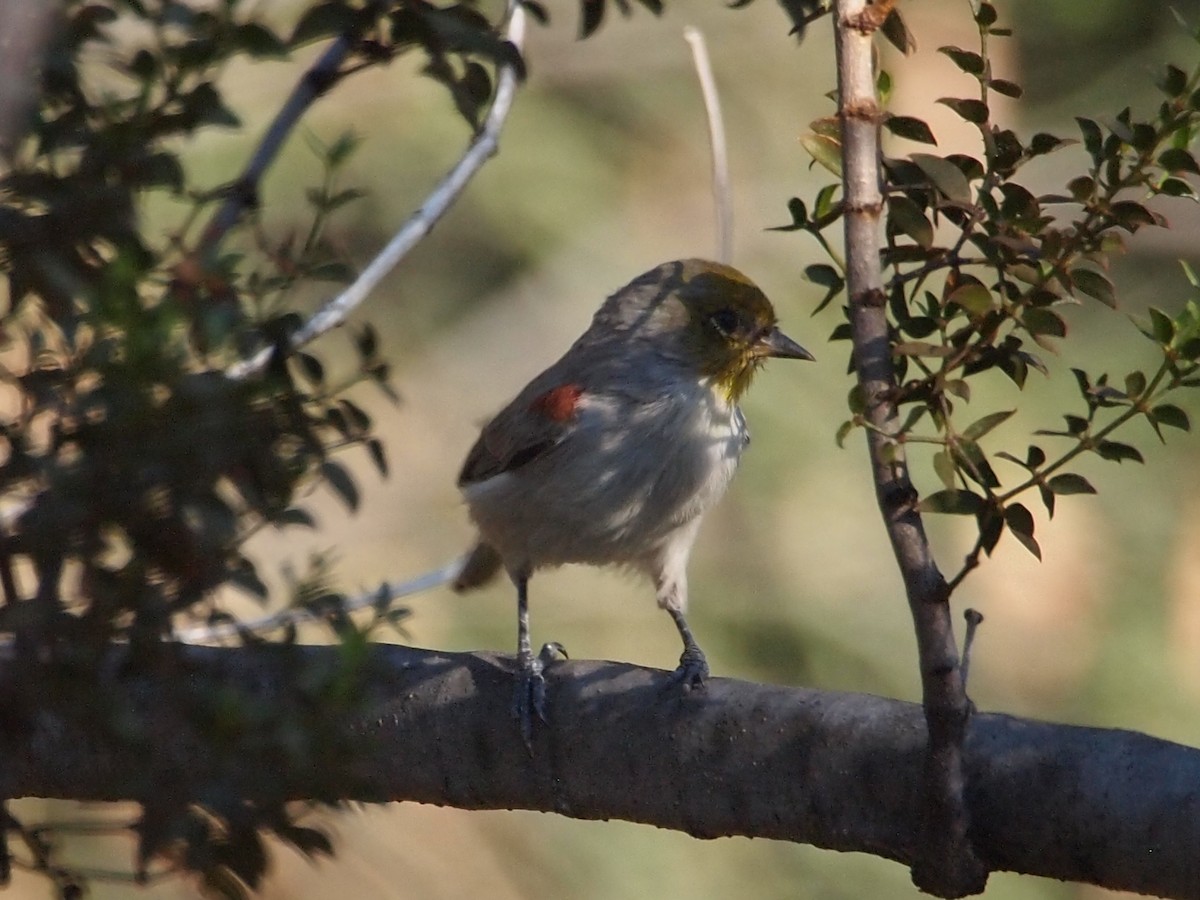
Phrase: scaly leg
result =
(693, 667)
(530, 697)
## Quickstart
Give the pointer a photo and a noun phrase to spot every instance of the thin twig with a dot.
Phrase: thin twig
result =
(482, 148)
(385, 593)
(722, 193)
(974, 618)
(243, 193)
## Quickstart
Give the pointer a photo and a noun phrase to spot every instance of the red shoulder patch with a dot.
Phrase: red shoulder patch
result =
(558, 403)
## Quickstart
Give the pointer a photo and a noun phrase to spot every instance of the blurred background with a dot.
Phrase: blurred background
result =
(603, 173)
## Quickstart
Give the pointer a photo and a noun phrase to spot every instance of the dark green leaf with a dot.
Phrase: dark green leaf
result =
(973, 463)
(1162, 328)
(910, 128)
(1170, 415)
(1043, 143)
(905, 217)
(1173, 81)
(1093, 138)
(1007, 88)
(1095, 284)
(1020, 523)
(1117, 452)
(343, 485)
(967, 60)
(980, 427)
(952, 502)
(375, 448)
(973, 111)
(1176, 159)
(1131, 216)
(945, 176)
(898, 34)
(1070, 483)
(1042, 322)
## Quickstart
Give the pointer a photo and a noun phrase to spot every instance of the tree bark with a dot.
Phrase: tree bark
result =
(836, 770)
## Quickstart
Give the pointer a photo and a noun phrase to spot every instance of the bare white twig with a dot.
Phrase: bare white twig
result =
(722, 195)
(483, 147)
(203, 634)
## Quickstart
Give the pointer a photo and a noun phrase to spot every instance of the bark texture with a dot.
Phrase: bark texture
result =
(836, 770)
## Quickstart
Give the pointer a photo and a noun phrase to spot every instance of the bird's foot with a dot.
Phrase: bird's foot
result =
(529, 700)
(692, 671)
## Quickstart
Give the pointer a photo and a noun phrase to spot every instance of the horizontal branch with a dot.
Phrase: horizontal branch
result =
(836, 770)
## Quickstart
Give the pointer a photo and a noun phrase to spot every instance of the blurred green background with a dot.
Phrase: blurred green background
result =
(603, 173)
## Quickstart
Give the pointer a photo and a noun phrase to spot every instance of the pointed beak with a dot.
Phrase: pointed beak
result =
(776, 343)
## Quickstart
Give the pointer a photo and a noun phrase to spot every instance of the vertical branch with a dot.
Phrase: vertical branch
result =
(722, 194)
(946, 864)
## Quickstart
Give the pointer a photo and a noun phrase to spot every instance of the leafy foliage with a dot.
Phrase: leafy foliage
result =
(132, 468)
(980, 270)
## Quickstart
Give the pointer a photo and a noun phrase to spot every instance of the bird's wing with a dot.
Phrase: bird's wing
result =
(532, 424)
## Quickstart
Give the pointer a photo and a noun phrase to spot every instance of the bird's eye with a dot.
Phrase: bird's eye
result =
(725, 321)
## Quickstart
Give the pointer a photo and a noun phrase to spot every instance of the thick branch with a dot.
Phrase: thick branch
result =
(841, 771)
(947, 866)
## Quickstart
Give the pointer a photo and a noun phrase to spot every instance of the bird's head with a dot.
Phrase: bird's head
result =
(708, 315)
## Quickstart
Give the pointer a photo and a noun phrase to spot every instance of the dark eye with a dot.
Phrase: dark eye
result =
(725, 321)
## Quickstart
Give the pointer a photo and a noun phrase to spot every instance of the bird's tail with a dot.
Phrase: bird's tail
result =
(478, 568)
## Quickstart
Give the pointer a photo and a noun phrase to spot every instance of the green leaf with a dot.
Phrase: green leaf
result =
(945, 176)
(1042, 143)
(1042, 322)
(824, 150)
(1162, 328)
(905, 217)
(1118, 452)
(976, 299)
(1093, 138)
(910, 128)
(1070, 483)
(1020, 522)
(1007, 88)
(1095, 284)
(952, 502)
(973, 463)
(1170, 415)
(973, 111)
(1135, 383)
(943, 466)
(980, 427)
(968, 61)
(843, 431)
(898, 34)
(1176, 159)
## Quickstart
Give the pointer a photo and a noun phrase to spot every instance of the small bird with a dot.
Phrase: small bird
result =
(613, 454)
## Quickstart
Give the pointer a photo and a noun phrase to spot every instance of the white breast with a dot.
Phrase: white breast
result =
(627, 477)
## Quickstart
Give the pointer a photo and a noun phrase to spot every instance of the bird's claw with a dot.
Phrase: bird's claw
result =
(692, 671)
(529, 700)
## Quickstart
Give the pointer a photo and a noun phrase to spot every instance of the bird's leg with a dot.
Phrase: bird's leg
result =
(530, 698)
(693, 667)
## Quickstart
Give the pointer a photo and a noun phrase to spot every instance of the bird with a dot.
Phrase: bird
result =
(613, 454)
